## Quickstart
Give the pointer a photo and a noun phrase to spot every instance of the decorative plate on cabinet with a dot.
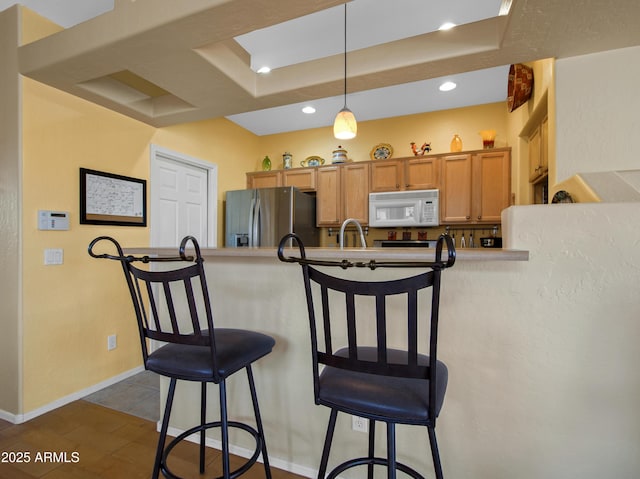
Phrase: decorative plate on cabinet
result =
(312, 161)
(382, 151)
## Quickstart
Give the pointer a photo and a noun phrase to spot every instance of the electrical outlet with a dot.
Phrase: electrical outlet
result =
(111, 342)
(359, 424)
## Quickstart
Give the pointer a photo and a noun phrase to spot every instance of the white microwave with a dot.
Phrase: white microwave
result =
(404, 208)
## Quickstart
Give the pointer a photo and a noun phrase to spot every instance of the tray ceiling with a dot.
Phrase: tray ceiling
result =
(165, 62)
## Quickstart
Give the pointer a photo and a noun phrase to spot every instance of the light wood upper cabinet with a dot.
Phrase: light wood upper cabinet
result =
(455, 194)
(328, 197)
(534, 144)
(342, 192)
(355, 192)
(414, 173)
(544, 144)
(302, 178)
(387, 175)
(491, 185)
(538, 151)
(475, 187)
(264, 179)
(422, 173)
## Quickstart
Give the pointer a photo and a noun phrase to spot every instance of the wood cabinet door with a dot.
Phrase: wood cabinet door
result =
(535, 149)
(264, 179)
(544, 145)
(455, 195)
(422, 173)
(387, 175)
(328, 197)
(491, 186)
(355, 192)
(302, 178)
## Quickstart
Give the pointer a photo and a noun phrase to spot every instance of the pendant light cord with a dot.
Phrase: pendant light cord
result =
(345, 55)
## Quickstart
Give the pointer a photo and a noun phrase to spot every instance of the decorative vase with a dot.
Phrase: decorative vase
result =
(287, 160)
(339, 156)
(266, 164)
(456, 143)
(488, 138)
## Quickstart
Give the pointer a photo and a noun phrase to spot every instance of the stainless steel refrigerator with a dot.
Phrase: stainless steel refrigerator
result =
(261, 217)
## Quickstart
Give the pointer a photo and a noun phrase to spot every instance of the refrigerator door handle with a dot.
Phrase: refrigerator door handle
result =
(252, 209)
(255, 223)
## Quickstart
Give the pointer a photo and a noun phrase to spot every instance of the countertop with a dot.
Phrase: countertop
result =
(397, 254)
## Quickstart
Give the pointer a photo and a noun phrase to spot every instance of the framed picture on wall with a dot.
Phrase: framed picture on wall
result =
(110, 199)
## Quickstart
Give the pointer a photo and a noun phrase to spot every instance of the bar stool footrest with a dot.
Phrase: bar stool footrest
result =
(164, 469)
(377, 461)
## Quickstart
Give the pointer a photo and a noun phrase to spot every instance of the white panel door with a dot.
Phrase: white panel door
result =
(182, 202)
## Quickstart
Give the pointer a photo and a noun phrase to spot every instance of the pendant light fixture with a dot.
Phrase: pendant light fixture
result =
(345, 126)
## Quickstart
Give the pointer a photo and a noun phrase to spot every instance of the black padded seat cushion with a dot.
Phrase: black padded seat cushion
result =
(236, 349)
(400, 400)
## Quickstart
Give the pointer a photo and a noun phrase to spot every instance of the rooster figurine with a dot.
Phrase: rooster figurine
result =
(425, 148)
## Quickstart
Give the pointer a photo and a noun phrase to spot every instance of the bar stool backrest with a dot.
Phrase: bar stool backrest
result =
(353, 333)
(160, 297)
(382, 327)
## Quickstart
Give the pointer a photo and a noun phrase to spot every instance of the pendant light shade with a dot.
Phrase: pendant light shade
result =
(345, 126)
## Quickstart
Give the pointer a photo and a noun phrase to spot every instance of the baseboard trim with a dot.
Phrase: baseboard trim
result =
(20, 418)
(247, 453)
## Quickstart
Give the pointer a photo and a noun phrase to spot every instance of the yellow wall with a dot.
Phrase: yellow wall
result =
(70, 309)
(10, 350)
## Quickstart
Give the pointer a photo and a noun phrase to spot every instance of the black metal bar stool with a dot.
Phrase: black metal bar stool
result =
(367, 377)
(194, 350)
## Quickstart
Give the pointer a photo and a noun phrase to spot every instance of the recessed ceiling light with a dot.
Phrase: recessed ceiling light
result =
(447, 86)
(447, 26)
(264, 70)
(308, 110)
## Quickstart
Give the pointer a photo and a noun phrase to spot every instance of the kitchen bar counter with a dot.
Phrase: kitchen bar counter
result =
(251, 289)
(380, 254)
(519, 329)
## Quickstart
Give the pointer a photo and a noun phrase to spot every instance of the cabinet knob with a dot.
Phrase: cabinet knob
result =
(397, 186)
(407, 185)
(468, 217)
(479, 217)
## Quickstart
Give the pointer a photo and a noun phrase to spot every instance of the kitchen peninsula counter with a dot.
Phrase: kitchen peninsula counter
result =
(379, 254)
(251, 288)
(519, 328)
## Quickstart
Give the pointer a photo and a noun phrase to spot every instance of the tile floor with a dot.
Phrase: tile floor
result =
(138, 395)
(86, 440)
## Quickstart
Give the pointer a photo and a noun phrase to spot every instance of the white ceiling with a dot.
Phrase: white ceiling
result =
(204, 53)
(369, 23)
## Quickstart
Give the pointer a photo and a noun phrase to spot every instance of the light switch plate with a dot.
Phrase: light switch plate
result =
(53, 256)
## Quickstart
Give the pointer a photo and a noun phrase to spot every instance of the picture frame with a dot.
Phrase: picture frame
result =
(110, 199)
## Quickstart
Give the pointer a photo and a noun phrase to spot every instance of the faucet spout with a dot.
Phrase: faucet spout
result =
(358, 227)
